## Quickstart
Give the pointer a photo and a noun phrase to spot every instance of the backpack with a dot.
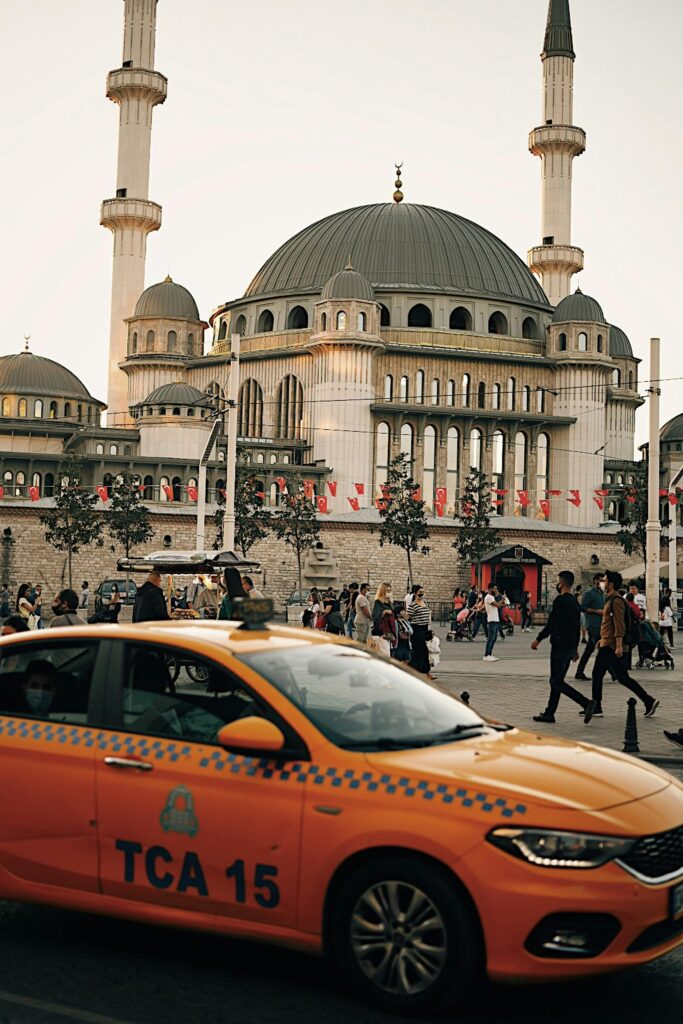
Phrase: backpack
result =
(631, 629)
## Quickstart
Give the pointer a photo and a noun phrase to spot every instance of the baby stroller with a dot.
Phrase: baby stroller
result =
(461, 625)
(652, 651)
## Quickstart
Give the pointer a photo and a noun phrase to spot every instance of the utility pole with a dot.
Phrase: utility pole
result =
(654, 527)
(231, 459)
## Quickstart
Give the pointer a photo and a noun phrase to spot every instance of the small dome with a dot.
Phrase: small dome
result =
(167, 299)
(579, 307)
(27, 374)
(348, 284)
(177, 393)
(619, 345)
(673, 430)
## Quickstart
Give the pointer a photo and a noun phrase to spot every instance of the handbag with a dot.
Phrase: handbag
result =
(32, 620)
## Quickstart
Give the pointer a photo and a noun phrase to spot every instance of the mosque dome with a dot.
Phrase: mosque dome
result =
(28, 374)
(177, 393)
(348, 284)
(579, 307)
(400, 247)
(619, 345)
(167, 299)
(673, 430)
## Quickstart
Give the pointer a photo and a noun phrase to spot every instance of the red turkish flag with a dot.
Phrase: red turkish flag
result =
(103, 493)
(322, 504)
(259, 494)
(360, 488)
(332, 484)
(34, 493)
(575, 498)
(663, 492)
(439, 507)
(553, 494)
(632, 498)
(600, 503)
(499, 492)
(385, 490)
(498, 501)
(467, 509)
(192, 493)
(168, 491)
(417, 494)
(524, 498)
(309, 489)
(441, 495)
(604, 493)
(223, 493)
(2, 491)
(281, 482)
(673, 500)
(354, 503)
(544, 505)
(381, 504)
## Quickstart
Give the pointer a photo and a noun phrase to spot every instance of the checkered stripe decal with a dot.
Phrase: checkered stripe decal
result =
(327, 778)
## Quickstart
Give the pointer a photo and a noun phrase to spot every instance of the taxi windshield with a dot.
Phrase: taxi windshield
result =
(364, 703)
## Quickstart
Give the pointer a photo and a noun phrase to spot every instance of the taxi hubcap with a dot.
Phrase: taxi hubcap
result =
(398, 938)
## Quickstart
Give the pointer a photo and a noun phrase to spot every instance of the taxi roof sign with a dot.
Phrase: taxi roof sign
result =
(253, 613)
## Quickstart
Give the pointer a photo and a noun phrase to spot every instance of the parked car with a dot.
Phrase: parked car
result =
(103, 592)
(298, 597)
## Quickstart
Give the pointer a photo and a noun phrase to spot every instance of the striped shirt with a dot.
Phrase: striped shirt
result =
(419, 614)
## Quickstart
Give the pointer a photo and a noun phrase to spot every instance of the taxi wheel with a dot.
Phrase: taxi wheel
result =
(403, 934)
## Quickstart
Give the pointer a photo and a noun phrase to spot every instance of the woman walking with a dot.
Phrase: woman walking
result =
(420, 619)
(233, 590)
(383, 619)
(525, 608)
(25, 608)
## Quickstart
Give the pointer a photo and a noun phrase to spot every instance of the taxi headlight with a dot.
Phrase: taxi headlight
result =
(546, 848)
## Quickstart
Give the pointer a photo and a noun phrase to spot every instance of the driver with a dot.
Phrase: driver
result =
(39, 688)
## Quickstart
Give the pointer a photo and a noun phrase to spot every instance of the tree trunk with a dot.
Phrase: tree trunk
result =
(410, 570)
(69, 559)
(298, 562)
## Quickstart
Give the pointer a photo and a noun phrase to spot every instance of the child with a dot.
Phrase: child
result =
(402, 650)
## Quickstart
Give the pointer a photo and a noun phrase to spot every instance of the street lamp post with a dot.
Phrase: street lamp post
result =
(654, 527)
(231, 455)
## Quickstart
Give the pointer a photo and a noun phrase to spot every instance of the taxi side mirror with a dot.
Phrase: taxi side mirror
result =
(251, 733)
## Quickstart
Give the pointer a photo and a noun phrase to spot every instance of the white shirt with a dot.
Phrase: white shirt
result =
(491, 608)
(85, 597)
(666, 617)
(641, 602)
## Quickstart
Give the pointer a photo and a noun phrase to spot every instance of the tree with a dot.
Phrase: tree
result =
(632, 533)
(403, 520)
(473, 512)
(251, 520)
(72, 522)
(295, 521)
(127, 519)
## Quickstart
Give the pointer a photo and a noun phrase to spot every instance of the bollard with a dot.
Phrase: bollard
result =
(631, 731)
(465, 697)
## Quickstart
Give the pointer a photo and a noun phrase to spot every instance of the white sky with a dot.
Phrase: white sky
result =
(283, 111)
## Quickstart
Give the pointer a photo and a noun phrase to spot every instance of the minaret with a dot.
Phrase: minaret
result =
(557, 142)
(137, 89)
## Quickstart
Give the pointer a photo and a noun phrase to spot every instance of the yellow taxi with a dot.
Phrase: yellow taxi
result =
(282, 785)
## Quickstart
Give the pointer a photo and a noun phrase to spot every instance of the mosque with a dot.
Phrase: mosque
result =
(379, 329)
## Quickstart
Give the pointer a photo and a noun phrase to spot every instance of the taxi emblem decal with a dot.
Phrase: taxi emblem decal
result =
(178, 814)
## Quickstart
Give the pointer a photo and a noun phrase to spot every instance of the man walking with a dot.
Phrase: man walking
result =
(363, 615)
(592, 604)
(492, 605)
(251, 590)
(150, 605)
(611, 647)
(564, 629)
(85, 595)
(65, 606)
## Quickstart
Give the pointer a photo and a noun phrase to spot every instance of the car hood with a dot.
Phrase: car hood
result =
(533, 769)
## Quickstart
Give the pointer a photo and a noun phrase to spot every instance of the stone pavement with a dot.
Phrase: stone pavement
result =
(515, 688)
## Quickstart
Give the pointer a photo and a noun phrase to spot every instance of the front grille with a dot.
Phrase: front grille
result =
(657, 858)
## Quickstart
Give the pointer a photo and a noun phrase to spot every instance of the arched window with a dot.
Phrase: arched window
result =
(99, 449)
(6, 407)
(600, 342)
(290, 407)
(630, 384)
(20, 482)
(384, 316)
(530, 328)
(223, 330)
(341, 320)
(190, 344)
(250, 415)
(148, 485)
(429, 465)
(220, 487)
(8, 478)
(52, 414)
(542, 465)
(381, 454)
(89, 414)
(460, 319)
(475, 449)
(526, 398)
(323, 322)
(79, 412)
(362, 322)
(540, 399)
(419, 316)
(436, 391)
(36, 481)
(465, 393)
(49, 485)
(241, 325)
(583, 342)
(452, 465)
(403, 389)
(616, 381)
(420, 387)
(512, 394)
(162, 410)
(481, 395)
(38, 408)
(388, 388)
(496, 396)
(562, 343)
(150, 341)
(266, 322)
(67, 410)
(498, 464)
(450, 392)
(134, 342)
(22, 407)
(113, 449)
(521, 463)
(175, 484)
(273, 458)
(620, 479)
(297, 319)
(498, 323)
(407, 441)
(176, 411)
(107, 480)
(172, 341)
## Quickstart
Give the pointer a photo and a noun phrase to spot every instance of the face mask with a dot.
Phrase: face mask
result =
(388, 593)
(39, 701)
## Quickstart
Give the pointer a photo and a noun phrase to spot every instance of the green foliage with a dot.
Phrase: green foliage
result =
(295, 521)
(252, 522)
(472, 515)
(127, 519)
(72, 522)
(632, 533)
(403, 520)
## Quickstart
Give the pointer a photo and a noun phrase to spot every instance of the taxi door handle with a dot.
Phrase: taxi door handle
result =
(128, 762)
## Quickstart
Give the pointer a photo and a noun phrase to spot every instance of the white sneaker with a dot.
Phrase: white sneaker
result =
(489, 657)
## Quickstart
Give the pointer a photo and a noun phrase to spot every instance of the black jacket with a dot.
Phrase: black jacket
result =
(150, 605)
(564, 623)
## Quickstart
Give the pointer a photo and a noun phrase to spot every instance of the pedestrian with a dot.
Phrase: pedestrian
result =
(473, 596)
(666, 624)
(525, 609)
(410, 596)
(65, 606)
(14, 624)
(150, 605)
(350, 610)
(592, 604)
(675, 737)
(234, 591)
(459, 599)
(25, 607)
(383, 619)
(479, 616)
(639, 598)
(420, 619)
(363, 620)
(611, 647)
(493, 602)
(564, 629)
(85, 595)
(207, 603)
(251, 590)
(5, 602)
(38, 605)
(334, 620)
(578, 594)
(404, 632)
(112, 609)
